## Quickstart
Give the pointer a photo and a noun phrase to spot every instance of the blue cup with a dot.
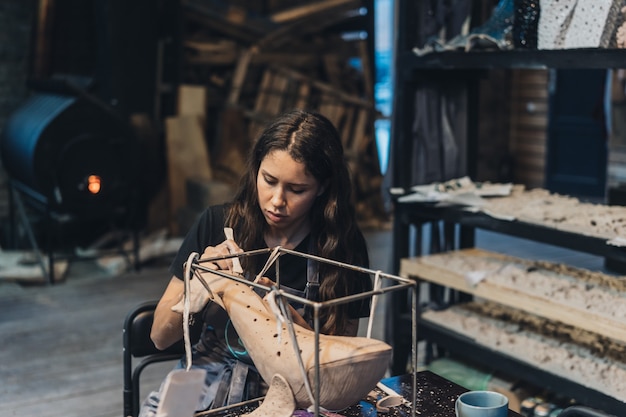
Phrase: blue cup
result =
(482, 404)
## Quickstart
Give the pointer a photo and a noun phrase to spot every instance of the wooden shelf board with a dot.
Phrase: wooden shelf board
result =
(571, 315)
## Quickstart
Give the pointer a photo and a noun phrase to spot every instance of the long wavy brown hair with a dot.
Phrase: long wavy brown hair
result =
(311, 139)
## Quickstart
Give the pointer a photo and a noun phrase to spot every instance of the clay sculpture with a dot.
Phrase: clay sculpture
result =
(349, 366)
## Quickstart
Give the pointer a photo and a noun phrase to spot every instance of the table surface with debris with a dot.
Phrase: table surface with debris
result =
(435, 397)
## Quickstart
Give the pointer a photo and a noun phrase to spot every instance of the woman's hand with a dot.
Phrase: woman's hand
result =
(225, 248)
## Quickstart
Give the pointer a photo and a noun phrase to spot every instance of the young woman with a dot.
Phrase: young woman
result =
(296, 194)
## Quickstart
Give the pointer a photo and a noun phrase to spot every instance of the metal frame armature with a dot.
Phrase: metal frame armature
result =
(397, 283)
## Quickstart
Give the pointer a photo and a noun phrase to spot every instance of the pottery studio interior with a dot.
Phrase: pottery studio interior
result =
(464, 254)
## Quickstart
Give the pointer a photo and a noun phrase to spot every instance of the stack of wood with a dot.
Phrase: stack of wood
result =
(244, 62)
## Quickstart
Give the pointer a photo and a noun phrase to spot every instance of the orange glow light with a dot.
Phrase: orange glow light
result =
(93, 184)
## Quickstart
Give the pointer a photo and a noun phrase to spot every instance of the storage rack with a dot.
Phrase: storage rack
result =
(461, 236)
(412, 72)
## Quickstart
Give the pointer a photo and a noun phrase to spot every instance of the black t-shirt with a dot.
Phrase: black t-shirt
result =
(218, 336)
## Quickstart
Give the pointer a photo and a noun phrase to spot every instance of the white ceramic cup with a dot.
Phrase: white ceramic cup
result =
(482, 404)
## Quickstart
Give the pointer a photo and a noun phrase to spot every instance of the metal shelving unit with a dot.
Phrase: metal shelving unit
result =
(460, 226)
(413, 72)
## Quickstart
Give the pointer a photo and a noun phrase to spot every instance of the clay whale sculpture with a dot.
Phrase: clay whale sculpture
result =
(349, 366)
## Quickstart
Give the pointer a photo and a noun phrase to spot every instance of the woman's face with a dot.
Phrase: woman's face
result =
(286, 191)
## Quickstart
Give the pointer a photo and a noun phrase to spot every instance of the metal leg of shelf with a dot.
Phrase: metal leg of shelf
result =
(397, 308)
(435, 238)
(449, 236)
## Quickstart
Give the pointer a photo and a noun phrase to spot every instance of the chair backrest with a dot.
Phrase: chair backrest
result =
(137, 344)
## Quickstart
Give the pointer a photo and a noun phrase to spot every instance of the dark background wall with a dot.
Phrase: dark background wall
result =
(16, 17)
(114, 44)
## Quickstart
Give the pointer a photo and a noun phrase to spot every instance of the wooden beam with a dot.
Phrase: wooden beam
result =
(309, 9)
(325, 87)
(239, 76)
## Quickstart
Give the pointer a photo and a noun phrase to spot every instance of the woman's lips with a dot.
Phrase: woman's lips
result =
(275, 217)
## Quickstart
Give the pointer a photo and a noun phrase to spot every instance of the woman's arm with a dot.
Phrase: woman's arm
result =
(167, 327)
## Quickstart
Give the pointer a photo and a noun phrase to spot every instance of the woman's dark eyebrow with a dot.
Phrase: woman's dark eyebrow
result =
(267, 174)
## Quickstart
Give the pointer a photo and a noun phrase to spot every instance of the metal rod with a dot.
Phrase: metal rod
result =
(414, 311)
(234, 255)
(401, 283)
(341, 264)
(339, 300)
(307, 256)
(228, 407)
(316, 327)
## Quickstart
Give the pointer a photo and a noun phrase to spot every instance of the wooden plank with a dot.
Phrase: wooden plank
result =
(348, 125)
(530, 145)
(530, 163)
(309, 9)
(531, 148)
(304, 92)
(222, 52)
(239, 76)
(269, 101)
(256, 124)
(326, 87)
(230, 161)
(311, 23)
(332, 69)
(531, 92)
(232, 20)
(303, 59)
(528, 75)
(332, 109)
(521, 298)
(360, 138)
(187, 157)
(530, 179)
(530, 142)
(263, 95)
(192, 101)
(366, 64)
(278, 90)
(538, 132)
(530, 120)
(534, 137)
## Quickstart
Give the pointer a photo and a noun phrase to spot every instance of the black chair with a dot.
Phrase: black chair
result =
(582, 411)
(137, 344)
